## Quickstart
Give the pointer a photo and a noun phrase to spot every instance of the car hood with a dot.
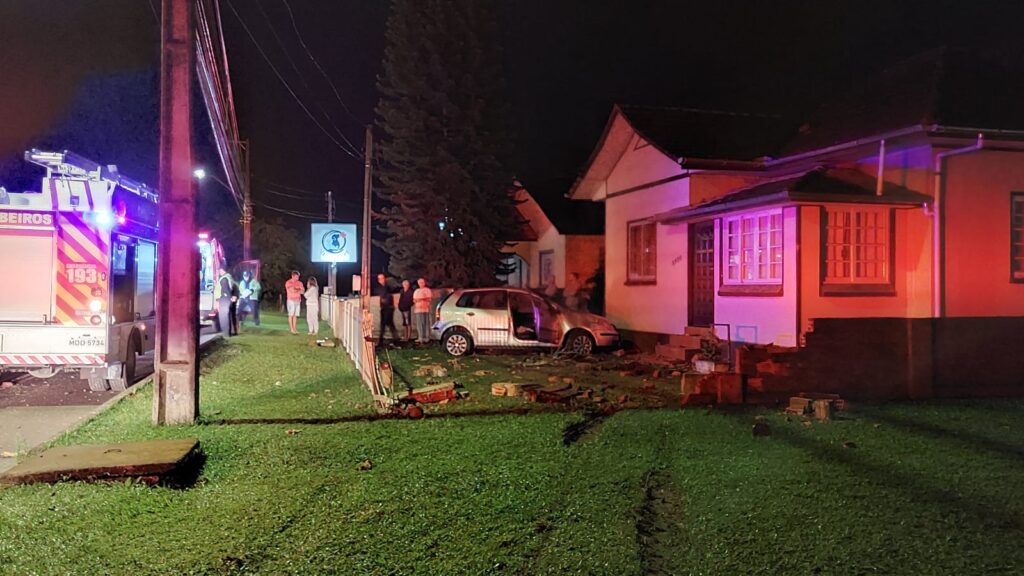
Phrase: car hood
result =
(585, 318)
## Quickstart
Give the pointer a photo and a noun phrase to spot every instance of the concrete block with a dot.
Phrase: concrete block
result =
(670, 352)
(688, 385)
(685, 341)
(730, 388)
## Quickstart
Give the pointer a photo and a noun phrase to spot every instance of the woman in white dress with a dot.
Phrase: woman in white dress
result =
(313, 306)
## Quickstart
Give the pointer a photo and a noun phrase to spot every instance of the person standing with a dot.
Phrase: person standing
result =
(233, 308)
(250, 291)
(421, 299)
(222, 293)
(293, 288)
(313, 306)
(387, 307)
(405, 301)
(571, 294)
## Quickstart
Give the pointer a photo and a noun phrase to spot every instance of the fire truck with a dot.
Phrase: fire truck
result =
(79, 261)
(211, 257)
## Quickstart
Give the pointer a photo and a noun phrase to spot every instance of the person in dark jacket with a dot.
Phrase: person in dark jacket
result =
(233, 307)
(387, 307)
(225, 294)
(405, 307)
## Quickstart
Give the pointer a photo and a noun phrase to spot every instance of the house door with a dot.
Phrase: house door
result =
(702, 274)
(547, 268)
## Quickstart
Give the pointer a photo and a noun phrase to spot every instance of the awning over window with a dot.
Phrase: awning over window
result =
(819, 185)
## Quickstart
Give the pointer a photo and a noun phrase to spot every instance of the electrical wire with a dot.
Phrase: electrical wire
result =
(298, 35)
(351, 152)
(295, 214)
(215, 84)
(302, 79)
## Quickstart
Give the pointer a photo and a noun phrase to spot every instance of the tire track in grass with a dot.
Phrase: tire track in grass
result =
(587, 427)
(659, 525)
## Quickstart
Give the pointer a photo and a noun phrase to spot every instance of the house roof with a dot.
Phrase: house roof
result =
(691, 133)
(841, 185)
(571, 217)
(940, 88)
(692, 137)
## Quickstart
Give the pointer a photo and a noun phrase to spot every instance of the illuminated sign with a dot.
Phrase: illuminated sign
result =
(333, 243)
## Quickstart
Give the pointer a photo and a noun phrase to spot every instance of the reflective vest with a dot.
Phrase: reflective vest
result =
(218, 289)
(254, 286)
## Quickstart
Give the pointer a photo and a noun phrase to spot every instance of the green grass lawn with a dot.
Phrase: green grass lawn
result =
(930, 488)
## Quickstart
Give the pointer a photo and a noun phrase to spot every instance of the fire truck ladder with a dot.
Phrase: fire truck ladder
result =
(68, 164)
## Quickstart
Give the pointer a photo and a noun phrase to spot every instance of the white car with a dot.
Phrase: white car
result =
(516, 318)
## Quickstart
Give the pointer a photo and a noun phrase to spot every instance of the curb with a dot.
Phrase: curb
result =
(110, 403)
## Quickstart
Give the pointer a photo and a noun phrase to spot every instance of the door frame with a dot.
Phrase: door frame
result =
(541, 256)
(709, 227)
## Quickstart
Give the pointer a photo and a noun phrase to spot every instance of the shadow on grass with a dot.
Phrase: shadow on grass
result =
(962, 437)
(914, 488)
(553, 408)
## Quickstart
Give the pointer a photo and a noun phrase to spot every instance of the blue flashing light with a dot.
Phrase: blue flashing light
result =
(104, 218)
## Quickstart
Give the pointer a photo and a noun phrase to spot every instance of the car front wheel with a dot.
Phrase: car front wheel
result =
(579, 343)
(457, 343)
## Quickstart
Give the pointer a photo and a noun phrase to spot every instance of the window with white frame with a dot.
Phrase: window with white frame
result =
(857, 245)
(753, 248)
(642, 252)
(1017, 236)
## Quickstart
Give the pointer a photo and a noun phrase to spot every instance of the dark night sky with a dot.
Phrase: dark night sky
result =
(567, 62)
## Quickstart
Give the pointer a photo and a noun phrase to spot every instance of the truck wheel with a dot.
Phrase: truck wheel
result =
(128, 368)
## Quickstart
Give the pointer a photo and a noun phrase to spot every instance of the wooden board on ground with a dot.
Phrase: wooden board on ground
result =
(431, 394)
(150, 460)
(518, 389)
(552, 394)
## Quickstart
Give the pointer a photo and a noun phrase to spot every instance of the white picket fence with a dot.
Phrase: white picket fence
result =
(350, 328)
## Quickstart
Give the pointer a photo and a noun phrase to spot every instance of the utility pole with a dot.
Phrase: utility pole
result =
(364, 287)
(176, 379)
(247, 204)
(332, 275)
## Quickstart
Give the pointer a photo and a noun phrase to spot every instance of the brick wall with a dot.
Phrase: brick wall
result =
(892, 358)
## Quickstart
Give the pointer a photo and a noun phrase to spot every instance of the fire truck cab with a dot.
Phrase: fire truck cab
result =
(79, 261)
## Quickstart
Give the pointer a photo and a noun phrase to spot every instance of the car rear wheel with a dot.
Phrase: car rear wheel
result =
(457, 343)
(579, 343)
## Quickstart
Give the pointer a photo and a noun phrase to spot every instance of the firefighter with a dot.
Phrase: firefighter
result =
(250, 303)
(225, 293)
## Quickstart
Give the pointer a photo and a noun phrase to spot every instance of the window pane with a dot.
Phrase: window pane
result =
(857, 245)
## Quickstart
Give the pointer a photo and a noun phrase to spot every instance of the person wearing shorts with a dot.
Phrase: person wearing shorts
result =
(294, 289)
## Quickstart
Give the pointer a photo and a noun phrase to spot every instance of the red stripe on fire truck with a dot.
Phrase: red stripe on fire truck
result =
(54, 360)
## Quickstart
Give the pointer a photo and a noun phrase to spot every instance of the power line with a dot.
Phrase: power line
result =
(351, 152)
(308, 195)
(330, 82)
(285, 187)
(304, 215)
(302, 79)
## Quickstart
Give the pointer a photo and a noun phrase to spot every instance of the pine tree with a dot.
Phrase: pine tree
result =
(447, 200)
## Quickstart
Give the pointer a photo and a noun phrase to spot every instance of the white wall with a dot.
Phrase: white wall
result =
(762, 319)
(659, 307)
(550, 239)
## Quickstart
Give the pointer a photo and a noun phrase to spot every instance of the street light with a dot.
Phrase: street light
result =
(200, 174)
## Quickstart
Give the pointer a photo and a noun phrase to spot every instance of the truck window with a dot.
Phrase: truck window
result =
(122, 271)
(145, 279)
